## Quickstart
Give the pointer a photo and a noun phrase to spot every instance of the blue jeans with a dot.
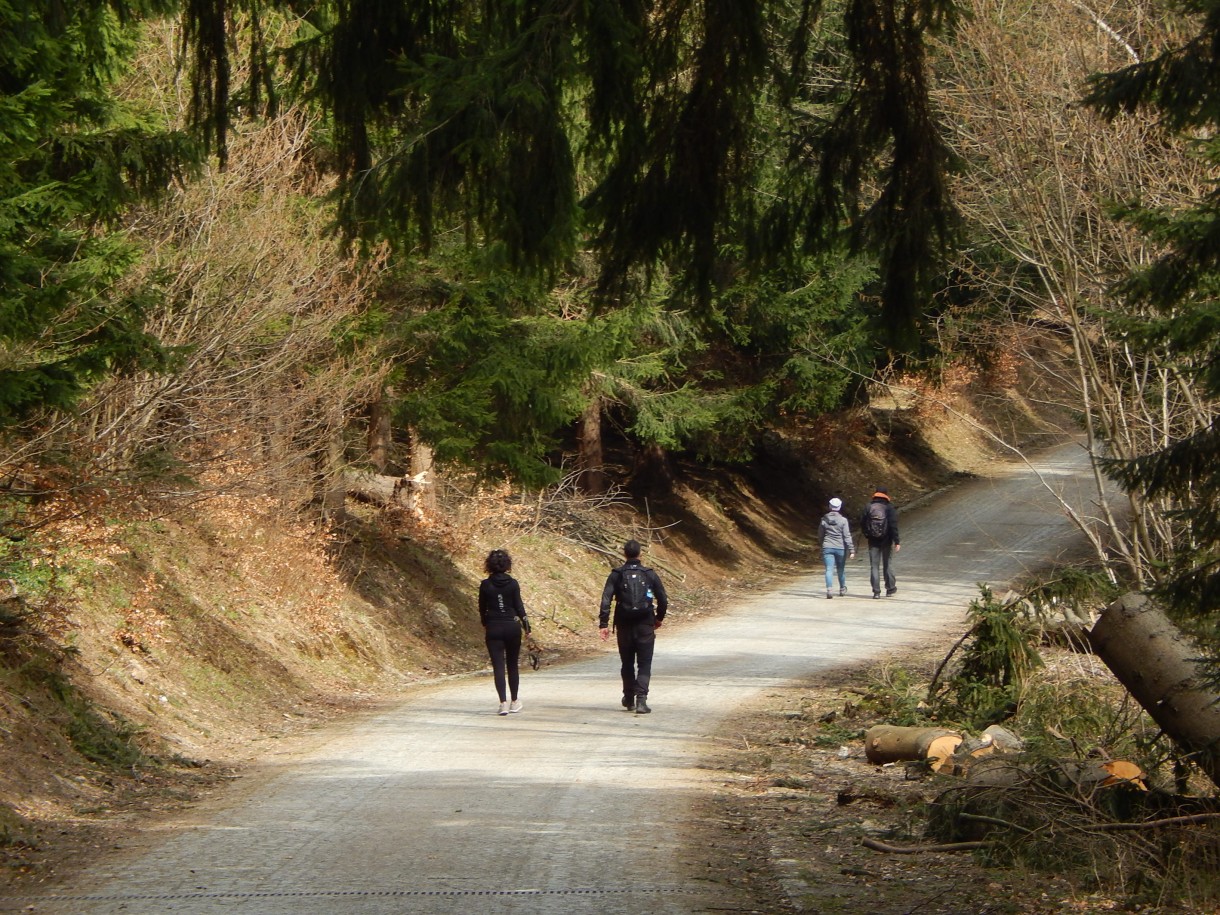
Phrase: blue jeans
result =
(836, 564)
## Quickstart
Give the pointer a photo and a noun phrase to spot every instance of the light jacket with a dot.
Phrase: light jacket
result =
(835, 532)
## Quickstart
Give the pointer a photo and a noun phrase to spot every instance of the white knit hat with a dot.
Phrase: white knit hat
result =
(836, 504)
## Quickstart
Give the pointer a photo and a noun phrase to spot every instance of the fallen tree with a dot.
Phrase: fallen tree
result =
(1159, 666)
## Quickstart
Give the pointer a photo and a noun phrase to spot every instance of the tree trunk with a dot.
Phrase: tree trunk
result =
(277, 457)
(591, 461)
(652, 470)
(420, 483)
(380, 431)
(1154, 660)
(330, 475)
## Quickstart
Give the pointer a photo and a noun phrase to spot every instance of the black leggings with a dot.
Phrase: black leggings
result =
(504, 647)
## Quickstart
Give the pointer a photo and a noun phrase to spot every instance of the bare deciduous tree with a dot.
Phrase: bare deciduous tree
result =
(256, 301)
(1044, 175)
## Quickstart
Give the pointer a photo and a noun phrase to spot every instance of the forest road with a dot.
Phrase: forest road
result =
(439, 805)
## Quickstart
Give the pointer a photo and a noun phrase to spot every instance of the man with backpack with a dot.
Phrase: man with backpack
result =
(640, 605)
(880, 525)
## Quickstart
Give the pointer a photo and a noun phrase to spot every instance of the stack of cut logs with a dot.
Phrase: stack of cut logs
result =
(952, 753)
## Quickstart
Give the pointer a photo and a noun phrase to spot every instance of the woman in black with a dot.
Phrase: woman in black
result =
(500, 607)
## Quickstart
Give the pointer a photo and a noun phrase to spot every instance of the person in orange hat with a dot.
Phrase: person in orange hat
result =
(879, 522)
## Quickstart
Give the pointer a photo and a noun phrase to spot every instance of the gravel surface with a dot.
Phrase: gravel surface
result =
(440, 805)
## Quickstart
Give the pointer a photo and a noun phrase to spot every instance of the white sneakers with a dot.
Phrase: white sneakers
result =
(503, 708)
(515, 706)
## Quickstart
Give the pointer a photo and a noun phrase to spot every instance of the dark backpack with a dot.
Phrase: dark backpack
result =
(877, 521)
(633, 589)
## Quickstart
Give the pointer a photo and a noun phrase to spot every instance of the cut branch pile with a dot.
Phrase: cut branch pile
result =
(1093, 813)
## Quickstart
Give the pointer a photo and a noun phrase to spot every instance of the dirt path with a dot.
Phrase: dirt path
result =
(439, 805)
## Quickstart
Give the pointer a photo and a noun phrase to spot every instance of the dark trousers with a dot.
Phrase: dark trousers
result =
(635, 644)
(879, 568)
(504, 647)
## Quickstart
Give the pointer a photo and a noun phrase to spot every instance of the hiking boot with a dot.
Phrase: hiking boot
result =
(503, 708)
(641, 707)
(890, 592)
(629, 702)
(514, 706)
(876, 595)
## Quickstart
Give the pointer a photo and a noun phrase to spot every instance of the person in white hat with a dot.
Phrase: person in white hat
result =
(834, 532)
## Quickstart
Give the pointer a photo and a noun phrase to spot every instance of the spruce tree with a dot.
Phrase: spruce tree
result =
(72, 158)
(636, 130)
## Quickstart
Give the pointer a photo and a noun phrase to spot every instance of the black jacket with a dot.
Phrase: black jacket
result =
(610, 592)
(891, 516)
(500, 600)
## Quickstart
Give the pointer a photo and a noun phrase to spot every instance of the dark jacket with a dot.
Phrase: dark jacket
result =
(891, 515)
(500, 600)
(610, 592)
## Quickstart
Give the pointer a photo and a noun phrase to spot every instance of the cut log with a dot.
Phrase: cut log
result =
(884, 743)
(1089, 774)
(1004, 740)
(1156, 662)
(997, 772)
(1003, 791)
(983, 745)
(1123, 771)
(994, 741)
(968, 752)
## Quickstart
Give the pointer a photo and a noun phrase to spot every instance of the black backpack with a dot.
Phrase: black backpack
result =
(877, 522)
(633, 589)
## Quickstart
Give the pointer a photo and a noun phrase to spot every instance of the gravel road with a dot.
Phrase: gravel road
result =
(439, 805)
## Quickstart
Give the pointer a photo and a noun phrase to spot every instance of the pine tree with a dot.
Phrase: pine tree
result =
(72, 158)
